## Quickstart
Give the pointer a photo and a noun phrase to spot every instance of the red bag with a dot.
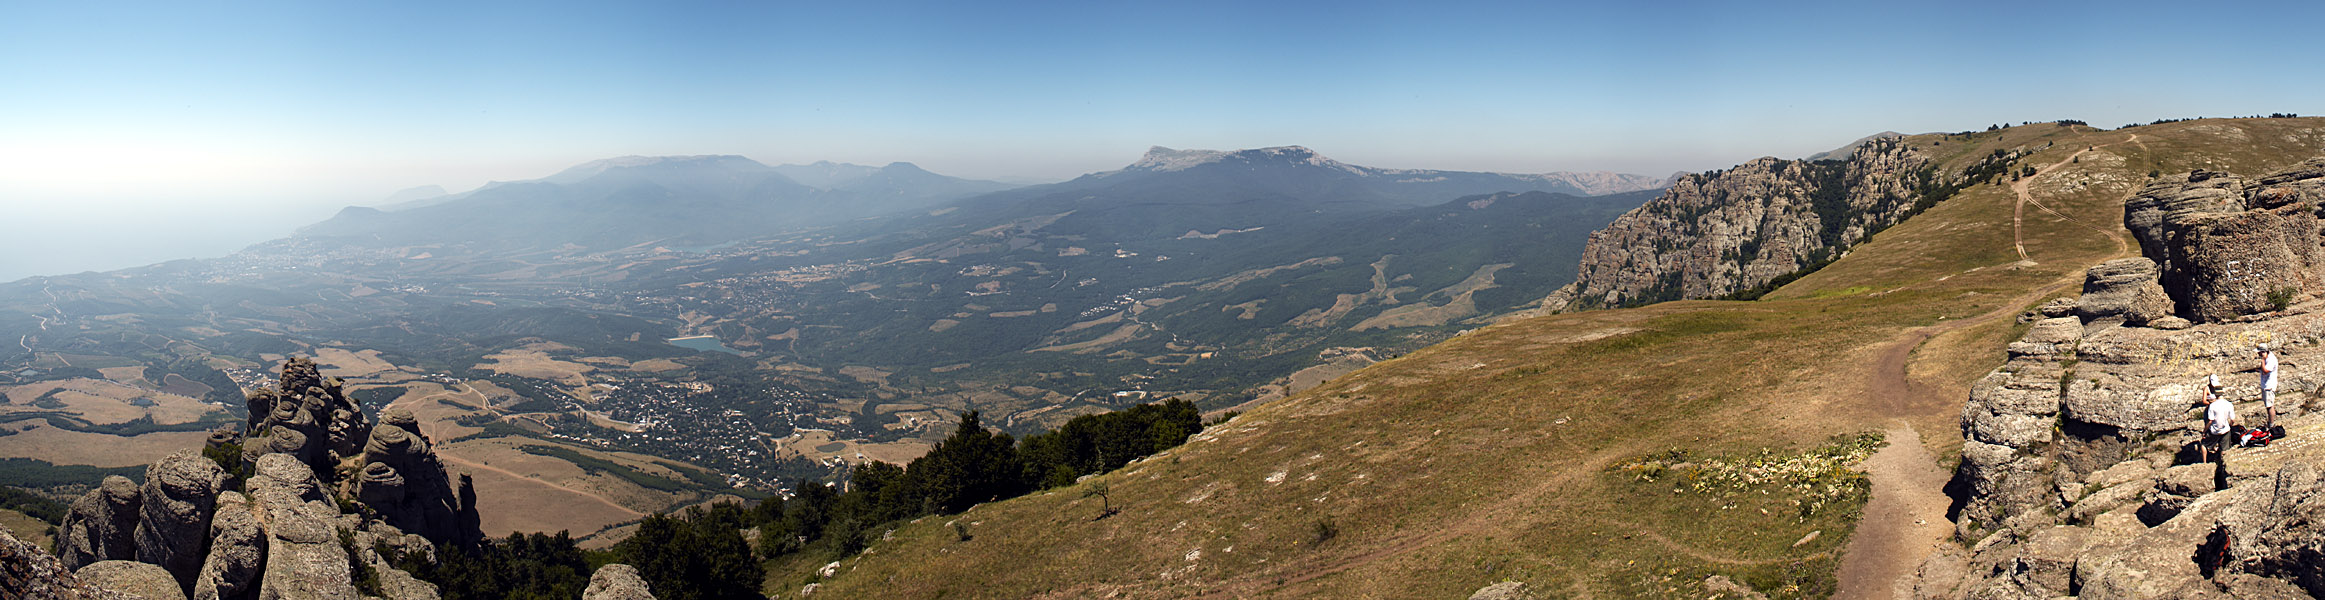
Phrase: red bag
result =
(2254, 438)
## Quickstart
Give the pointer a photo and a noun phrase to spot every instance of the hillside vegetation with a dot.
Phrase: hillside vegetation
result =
(1543, 450)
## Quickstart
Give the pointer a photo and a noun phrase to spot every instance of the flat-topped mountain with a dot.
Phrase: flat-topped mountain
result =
(1399, 185)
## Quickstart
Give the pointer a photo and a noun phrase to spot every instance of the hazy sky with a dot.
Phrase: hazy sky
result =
(131, 134)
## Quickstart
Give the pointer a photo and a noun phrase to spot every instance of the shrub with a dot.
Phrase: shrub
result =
(2281, 297)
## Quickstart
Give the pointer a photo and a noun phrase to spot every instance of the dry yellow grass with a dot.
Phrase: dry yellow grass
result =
(36, 439)
(534, 361)
(341, 362)
(1485, 458)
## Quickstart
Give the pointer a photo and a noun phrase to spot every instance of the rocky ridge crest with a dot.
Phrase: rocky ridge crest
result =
(1716, 233)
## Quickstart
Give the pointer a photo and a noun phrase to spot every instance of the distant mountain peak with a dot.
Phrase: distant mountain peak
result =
(1160, 159)
(596, 167)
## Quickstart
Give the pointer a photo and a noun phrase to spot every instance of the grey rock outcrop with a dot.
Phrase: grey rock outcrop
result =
(144, 580)
(2280, 531)
(403, 481)
(173, 528)
(1716, 233)
(616, 582)
(303, 555)
(2227, 247)
(237, 552)
(307, 416)
(27, 572)
(285, 536)
(2073, 477)
(101, 526)
(2126, 288)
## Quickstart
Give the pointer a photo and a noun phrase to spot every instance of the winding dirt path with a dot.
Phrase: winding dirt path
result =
(2018, 210)
(1907, 515)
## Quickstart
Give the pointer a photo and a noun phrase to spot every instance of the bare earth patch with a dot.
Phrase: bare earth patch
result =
(75, 448)
(340, 362)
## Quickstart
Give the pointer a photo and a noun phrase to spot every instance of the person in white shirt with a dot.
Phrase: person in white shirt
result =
(2219, 419)
(2268, 381)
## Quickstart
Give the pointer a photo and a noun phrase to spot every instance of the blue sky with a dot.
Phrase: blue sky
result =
(257, 117)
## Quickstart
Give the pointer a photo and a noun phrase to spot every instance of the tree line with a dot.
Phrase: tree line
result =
(704, 552)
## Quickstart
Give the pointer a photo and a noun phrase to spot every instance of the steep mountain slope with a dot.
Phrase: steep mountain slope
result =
(1541, 450)
(1723, 232)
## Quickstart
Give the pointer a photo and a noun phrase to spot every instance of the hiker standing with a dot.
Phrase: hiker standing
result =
(2268, 381)
(2219, 419)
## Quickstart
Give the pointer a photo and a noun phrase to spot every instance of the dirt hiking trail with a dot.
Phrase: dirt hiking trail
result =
(1907, 515)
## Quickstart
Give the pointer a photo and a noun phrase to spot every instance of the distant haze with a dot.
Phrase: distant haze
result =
(135, 134)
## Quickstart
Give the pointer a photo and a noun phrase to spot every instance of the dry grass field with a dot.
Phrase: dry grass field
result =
(1499, 455)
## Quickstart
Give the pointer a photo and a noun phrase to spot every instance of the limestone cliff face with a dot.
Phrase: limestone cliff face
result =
(1717, 233)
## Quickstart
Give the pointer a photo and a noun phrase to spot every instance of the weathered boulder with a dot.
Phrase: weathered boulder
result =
(2300, 184)
(2048, 562)
(2245, 263)
(29, 573)
(395, 584)
(403, 419)
(2279, 531)
(2226, 248)
(102, 525)
(616, 582)
(405, 483)
(174, 528)
(303, 556)
(237, 552)
(2103, 399)
(2126, 288)
(2057, 307)
(145, 580)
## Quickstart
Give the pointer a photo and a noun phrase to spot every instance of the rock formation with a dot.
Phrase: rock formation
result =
(144, 580)
(2127, 289)
(616, 582)
(2078, 473)
(2227, 247)
(308, 417)
(30, 574)
(1716, 233)
(237, 551)
(303, 556)
(403, 481)
(173, 529)
(285, 535)
(101, 526)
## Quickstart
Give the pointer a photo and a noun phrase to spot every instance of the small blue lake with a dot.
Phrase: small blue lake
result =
(703, 343)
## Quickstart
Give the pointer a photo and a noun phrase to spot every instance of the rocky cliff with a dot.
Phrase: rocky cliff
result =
(2079, 472)
(1717, 233)
(315, 502)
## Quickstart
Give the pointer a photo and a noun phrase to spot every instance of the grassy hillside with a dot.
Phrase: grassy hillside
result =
(1542, 450)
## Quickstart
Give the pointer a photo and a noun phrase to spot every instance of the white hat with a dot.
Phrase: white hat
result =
(2213, 381)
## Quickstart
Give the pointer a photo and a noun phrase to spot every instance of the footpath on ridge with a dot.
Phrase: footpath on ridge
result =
(1906, 517)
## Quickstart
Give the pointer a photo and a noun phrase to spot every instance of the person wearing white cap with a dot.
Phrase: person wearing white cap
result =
(2268, 381)
(2219, 419)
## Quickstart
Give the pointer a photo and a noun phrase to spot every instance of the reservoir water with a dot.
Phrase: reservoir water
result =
(703, 343)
